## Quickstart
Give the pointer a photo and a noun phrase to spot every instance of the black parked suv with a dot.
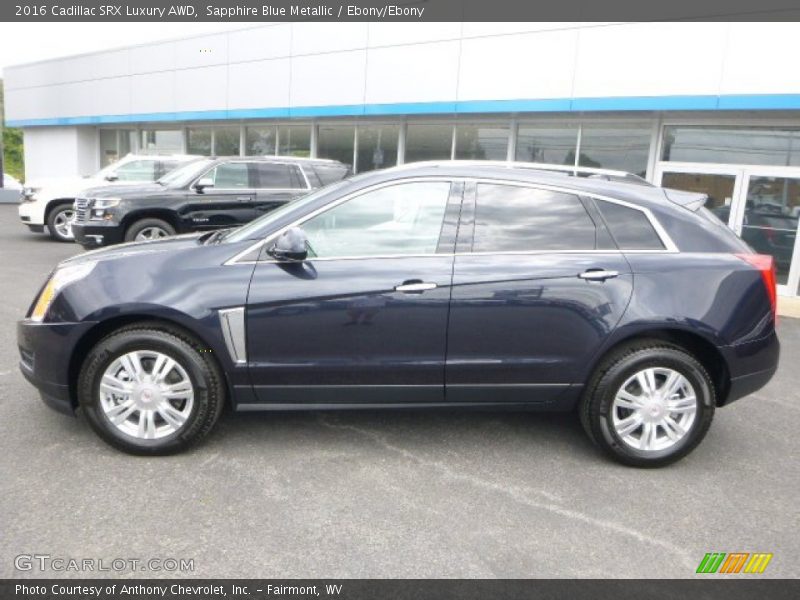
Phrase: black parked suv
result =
(429, 285)
(209, 193)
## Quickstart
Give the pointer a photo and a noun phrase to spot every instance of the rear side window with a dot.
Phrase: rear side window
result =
(137, 170)
(519, 219)
(168, 165)
(331, 173)
(276, 176)
(630, 227)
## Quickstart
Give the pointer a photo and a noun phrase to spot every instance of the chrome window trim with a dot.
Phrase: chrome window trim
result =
(233, 331)
(669, 245)
(666, 240)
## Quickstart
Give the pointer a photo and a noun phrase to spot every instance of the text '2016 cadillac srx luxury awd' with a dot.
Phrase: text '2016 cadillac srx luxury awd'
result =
(432, 284)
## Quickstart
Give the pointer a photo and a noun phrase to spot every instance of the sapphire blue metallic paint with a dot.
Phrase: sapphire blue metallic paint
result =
(501, 329)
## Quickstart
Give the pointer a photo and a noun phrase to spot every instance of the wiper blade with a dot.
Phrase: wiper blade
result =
(216, 236)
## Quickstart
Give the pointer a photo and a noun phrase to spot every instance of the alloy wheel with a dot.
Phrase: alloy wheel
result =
(63, 223)
(654, 409)
(151, 233)
(146, 394)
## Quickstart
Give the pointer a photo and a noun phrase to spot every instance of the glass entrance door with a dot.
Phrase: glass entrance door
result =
(761, 204)
(768, 220)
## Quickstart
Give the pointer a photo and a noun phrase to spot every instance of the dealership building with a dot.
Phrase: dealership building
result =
(711, 107)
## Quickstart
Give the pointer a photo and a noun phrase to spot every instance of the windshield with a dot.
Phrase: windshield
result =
(183, 175)
(254, 229)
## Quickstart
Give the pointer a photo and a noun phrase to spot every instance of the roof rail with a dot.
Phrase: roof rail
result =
(510, 164)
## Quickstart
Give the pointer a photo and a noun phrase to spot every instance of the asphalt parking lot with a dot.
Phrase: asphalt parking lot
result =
(388, 494)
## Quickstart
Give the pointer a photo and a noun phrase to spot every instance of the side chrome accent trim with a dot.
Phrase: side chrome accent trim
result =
(233, 330)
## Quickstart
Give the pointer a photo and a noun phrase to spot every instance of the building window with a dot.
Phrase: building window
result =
(109, 153)
(294, 140)
(127, 142)
(481, 142)
(620, 146)
(198, 141)
(260, 141)
(377, 147)
(336, 142)
(226, 141)
(428, 141)
(162, 141)
(732, 145)
(553, 144)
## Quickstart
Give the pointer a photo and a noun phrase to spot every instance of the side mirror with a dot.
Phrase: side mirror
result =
(112, 176)
(203, 183)
(292, 245)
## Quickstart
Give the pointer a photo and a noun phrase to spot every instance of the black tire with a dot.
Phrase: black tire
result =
(597, 403)
(54, 225)
(203, 372)
(138, 227)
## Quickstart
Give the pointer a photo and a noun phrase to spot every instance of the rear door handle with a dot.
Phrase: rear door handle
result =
(414, 286)
(244, 198)
(598, 274)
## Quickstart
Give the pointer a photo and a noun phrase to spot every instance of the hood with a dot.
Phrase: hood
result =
(173, 244)
(126, 190)
(64, 186)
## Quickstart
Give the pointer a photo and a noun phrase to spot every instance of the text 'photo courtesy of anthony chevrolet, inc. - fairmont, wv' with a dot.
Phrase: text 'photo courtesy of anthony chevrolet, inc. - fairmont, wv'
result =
(422, 299)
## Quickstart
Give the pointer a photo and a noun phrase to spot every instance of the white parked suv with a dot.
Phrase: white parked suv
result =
(49, 202)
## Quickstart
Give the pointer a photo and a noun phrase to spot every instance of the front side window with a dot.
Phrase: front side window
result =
(228, 176)
(404, 219)
(630, 227)
(511, 218)
(136, 170)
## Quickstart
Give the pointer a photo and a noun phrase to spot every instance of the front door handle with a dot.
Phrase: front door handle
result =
(598, 274)
(243, 198)
(414, 286)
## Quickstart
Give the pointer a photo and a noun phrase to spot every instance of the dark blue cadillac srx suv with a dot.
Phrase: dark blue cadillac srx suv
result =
(434, 284)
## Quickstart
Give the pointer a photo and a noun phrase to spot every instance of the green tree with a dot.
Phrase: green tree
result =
(13, 158)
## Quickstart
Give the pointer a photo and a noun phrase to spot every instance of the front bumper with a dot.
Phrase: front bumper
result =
(46, 350)
(94, 234)
(30, 214)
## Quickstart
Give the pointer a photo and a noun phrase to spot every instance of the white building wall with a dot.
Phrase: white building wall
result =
(54, 152)
(297, 65)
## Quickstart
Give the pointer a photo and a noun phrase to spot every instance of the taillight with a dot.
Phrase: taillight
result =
(766, 265)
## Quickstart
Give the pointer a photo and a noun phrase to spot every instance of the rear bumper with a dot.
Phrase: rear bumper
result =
(94, 235)
(751, 365)
(45, 352)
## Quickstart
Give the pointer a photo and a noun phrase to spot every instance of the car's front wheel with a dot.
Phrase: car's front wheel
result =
(59, 223)
(148, 229)
(648, 404)
(148, 389)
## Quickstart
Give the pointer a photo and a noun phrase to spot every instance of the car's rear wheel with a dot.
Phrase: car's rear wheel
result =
(59, 223)
(148, 229)
(149, 390)
(648, 404)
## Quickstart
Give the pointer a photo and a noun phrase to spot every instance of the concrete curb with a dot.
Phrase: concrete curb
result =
(789, 306)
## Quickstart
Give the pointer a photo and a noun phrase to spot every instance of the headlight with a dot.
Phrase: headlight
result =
(29, 193)
(105, 202)
(99, 208)
(59, 280)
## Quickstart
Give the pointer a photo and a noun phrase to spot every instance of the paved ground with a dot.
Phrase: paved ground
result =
(389, 494)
